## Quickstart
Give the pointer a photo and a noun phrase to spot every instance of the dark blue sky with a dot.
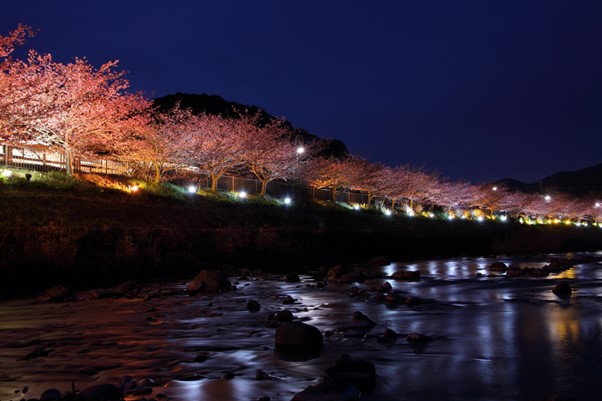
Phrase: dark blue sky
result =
(478, 90)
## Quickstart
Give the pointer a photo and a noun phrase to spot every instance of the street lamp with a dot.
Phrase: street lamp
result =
(547, 198)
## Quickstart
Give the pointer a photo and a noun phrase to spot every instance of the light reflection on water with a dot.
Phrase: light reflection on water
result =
(495, 338)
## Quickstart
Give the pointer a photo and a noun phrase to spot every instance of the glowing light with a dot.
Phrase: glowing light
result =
(578, 224)
(409, 211)
(192, 189)
(584, 224)
(480, 218)
(556, 221)
(287, 201)
(300, 150)
(450, 217)
(356, 207)
(521, 220)
(133, 188)
(494, 188)
(7, 173)
(547, 198)
(597, 204)
(431, 215)
(504, 218)
(387, 212)
(242, 194)
(567, 221)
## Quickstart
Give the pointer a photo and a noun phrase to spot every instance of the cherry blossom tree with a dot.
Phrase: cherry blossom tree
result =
(456, 195)
(166, 142)
(366, 177)
(73, 108)
(218, 148)
(330, 173)
(267, 150)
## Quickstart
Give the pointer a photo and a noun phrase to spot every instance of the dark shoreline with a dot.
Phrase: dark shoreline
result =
(40, 257)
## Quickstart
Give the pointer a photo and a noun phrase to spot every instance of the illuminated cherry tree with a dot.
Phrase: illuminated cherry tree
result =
(218, 148)
(366, 177)
(267, 150)
(74, 108)
(166, 142)
(330, 173)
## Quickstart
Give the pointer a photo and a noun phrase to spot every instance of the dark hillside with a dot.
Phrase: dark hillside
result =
(216, 105)
(587, 181)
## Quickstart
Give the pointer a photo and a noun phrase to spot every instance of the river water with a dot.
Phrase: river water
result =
(494, 337)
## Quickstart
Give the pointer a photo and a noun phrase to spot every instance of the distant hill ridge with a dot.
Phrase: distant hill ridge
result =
(587, 181)
(216, 105)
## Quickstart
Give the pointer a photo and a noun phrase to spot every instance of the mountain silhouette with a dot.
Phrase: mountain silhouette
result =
(587, 181)
(216, 105)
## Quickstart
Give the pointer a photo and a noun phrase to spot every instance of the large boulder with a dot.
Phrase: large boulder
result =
(562, 290)
(498, 267)
(361, 373)
(297, 336)
(209, 281)
(341, 274)
(57, 293)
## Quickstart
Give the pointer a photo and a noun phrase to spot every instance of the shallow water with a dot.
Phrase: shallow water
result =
(495, 338)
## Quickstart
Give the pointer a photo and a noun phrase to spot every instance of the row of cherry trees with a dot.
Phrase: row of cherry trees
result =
(77, 109)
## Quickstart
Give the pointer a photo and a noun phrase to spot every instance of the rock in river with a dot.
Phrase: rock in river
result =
(209, 281)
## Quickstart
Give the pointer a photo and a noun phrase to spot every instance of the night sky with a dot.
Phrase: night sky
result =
(476, 90)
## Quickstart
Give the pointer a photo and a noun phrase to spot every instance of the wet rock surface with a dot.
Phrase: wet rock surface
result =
(461, 336)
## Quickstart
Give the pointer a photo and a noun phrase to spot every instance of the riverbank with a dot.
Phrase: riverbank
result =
(83, 234)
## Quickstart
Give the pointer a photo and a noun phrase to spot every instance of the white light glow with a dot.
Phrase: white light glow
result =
(356, 207)
(300, 150)
(504, 218)
(450, 217)
(431, 215)
(192, 189)
(287, 201)
(387, 212)
(7, 173)
(134, 188)
(494, 188)
(480, 218)
(547, 198)
(242, 194)
(597, 204)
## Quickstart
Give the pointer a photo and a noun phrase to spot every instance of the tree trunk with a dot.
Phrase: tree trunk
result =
(214, 179)
(264, 186)
(369, 198)
(157, 174)
(69, 162)
(392, 204)
(333, 194)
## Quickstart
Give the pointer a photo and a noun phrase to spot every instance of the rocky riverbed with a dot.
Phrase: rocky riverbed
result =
(455, 329)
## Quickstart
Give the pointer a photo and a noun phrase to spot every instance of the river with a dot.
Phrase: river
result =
(494, 337)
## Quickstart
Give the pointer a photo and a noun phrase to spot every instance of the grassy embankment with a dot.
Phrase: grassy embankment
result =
(57, 229)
